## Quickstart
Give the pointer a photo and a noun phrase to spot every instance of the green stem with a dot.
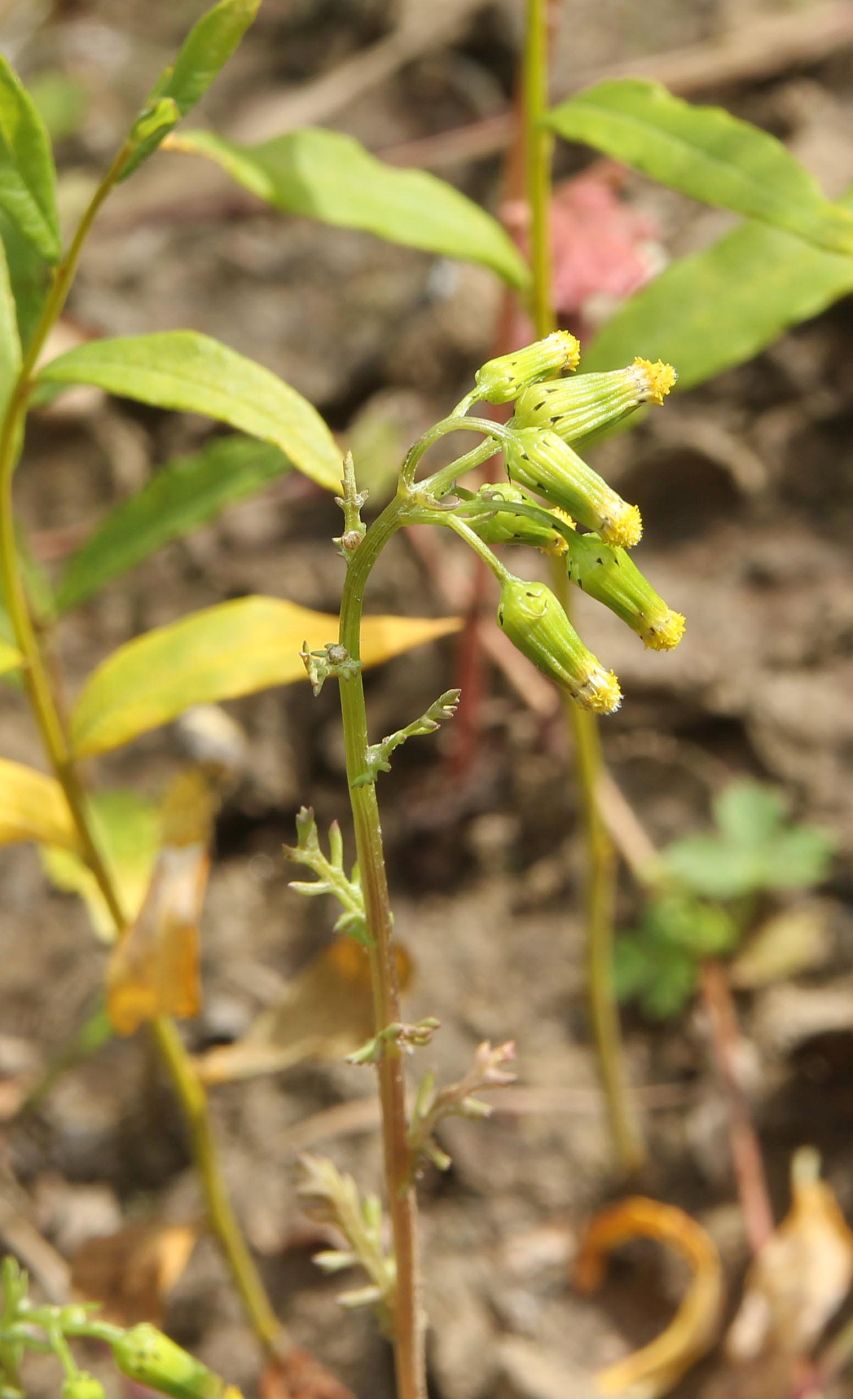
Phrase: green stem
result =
(601, 866)
(408, 1315)
(486, 426)
(39, 688)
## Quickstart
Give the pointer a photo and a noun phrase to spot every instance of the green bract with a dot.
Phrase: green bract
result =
(501, 380)
(542, 461)
(532, 618)
(496, 526)
(611, 576)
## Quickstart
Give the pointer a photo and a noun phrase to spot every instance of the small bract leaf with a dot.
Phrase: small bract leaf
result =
(183, 370)
(802, 1274)
(206, 49)
(27, 175)
(721, 306)
(329, 176)
(656, 1368)
(232, 649)
(706, 153)
(181, 496)
(33, 807)
(325, 1013)
(127, 830)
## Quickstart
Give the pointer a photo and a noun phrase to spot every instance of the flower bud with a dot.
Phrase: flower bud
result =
(611, 576)
(576, 407)
(145, 1355)
(543, 462)
(506, 526)
(534, 621)
(82, 1386)
(501, 380)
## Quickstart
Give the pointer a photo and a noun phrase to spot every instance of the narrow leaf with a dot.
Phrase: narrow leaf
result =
(720, 307)
(33, 807)
(183, 495)
(706, 153)
(232, 649)
(10, 344)
(27, 175)
(29, 275)
(206, 49)
(329, 176)
(190, 372)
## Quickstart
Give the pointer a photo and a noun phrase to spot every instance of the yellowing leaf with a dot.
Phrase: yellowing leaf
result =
(232, 649)
(326, 1012)
(656, 1368)
(131, 1272)
(154, 969)
(10, 658)
(802, 1274)
(127, 830)
(33, 807)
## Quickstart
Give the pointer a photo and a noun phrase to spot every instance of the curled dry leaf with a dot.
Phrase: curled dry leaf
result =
(153, 970)
(131, 1272)
(325, 1013)
(802, 1274)
(656, 1368)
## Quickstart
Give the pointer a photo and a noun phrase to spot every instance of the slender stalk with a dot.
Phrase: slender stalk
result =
(408, 1314)
(601, 864)
(40, 691)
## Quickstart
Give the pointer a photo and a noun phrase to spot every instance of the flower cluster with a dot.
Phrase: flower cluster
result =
(552, 412)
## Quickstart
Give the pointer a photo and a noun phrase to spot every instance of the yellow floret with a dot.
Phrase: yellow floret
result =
(623, 526)
(665, 632)
(600, 692)
(660, 376)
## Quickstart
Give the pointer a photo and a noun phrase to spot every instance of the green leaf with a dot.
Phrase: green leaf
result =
(232, 649)
(749, 813)
(720, 307)
(206, 49)
(715, 868)
(33, 807)
(10, 344)
(29, 275)
(184, 370)
(127, 829)
(707, 153)
(182, 495)
(798, 858)
(328, 176)
(27, 176)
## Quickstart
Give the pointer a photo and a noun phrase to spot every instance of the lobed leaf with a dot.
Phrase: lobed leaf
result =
(234, 648)
(33, 807)
(193, 373)
(706, 153)
(181, 496)
(328, 176)
(720, 307)
(27, 175)
(206, 50)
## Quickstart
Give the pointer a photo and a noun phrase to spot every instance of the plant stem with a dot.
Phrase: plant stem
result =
(601, 864)
(40, 691)
(407, 1311)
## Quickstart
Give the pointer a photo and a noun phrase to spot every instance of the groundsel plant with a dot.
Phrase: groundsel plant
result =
(550, 488)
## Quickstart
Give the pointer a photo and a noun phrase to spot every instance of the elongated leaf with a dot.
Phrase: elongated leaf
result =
(27, 176)
(182, 495)
(704, 152)
(193, 373)
(206, 49)
(29, 276)
(720, 307)
(32, 807)
(127, 829)
(232, 649)
(328, 176)
(10, 344)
